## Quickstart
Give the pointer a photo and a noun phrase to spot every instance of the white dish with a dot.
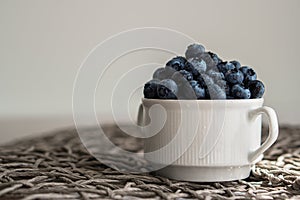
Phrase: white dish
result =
(205, 140)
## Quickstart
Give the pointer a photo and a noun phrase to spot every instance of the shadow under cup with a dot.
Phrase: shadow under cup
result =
(205, 140)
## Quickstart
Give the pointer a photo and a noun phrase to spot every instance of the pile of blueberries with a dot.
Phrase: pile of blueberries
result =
(203, 75)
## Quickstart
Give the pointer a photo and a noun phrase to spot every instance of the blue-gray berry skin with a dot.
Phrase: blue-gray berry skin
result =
(169, 71)
(224, 86)
(203, 75)
(215, 92)
(237, 64)
(201, 80)
(215, 57)
(191, 90)
(256, 88)
(196, 66)
(178, 76)
(207, 79)
(239, 92)
(221, 83)
(249, 74)
(176, 63)
(224, 67)
(190, 68)
(210, 63)
(186, 91)
(215, 75)
(204, 80)
(193, 83)
(167, 89)
(199, 92)
(194, 50)
(150, 89)
(160, 73)
(244, 69)
(234, 76)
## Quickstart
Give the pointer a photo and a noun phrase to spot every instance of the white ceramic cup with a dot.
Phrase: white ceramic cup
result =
(205, 140)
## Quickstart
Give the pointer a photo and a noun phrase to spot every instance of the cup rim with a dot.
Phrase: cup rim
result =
(204, 101)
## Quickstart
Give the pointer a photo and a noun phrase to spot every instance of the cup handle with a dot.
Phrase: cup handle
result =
(273, 130)
(140, 116)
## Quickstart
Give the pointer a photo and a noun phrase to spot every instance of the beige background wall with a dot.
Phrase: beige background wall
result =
(42, 44)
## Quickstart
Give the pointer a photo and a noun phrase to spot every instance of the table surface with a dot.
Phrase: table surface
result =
(57, 166)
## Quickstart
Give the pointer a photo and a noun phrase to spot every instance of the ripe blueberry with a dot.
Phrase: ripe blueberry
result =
(225, 66)
(239, 92)
(210, 63)
(224, 86)
(193, 83)
(244, 69)
(215, 57)
(194, 50)
(249, 74)
(178, 76)
(234, 76)
(160, 74)
(199, 92)
(215, 75)
(196, 64)
(176, 63)
(150, 89)
(204, 80)
(215, 92)
(237, 64)
(167, 89)
(256, 88)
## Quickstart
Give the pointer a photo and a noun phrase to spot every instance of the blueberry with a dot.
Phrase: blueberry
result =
(177, 76)
(169, 71)
(190, 68)
(207, 79)
(215, 92)
(224, 85)
(176, 63)
(221, 83)
(225, 67)
(244, 69)
(186, 91)
(203, 75)
(234, 76)
(229, 66)
(199, 92)
(215, 57)
(150, 89)
(201, 80)
(167, 89)
(194, 50)
(160, 74)
(256, 88)
(237, 64)
(239, 92)
(193, 83)
(191, 90)
(210, 63)
(249, 74)
(215, 75)
(204, 80)
(196, 64)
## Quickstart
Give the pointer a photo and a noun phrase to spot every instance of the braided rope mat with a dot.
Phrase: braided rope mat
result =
(57, 166)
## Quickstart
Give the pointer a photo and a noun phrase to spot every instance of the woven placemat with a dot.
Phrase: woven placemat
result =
(57, 166)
